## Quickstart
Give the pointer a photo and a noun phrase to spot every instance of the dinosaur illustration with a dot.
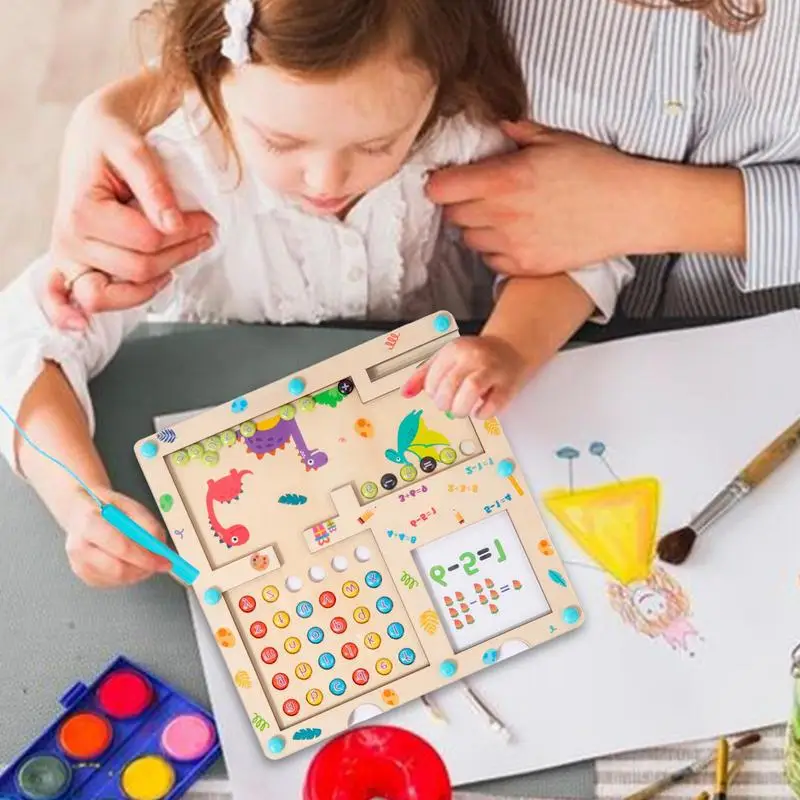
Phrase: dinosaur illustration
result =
(414, 436)
(272, 435)
(226, 490)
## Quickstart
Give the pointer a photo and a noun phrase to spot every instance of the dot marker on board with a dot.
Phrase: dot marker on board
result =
(448, 668)
(571, 615)
(296, 386)
(505, 469)
(441, 323)
(239, 405)
(212, 596)
(276, 744)
(149, 449)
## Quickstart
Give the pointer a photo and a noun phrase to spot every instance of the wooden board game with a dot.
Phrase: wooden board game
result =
(356, 548)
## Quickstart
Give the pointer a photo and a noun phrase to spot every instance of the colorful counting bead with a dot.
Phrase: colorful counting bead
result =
(296, 387)
(304, 609)
(349, 651)
(248, 429)
(291, 708)
(350, 589)
(361, 615)
(303, 671)
(270, 593)
(428, 464)
(383, 666)
(287, 411)
(388, 481)
(448, 668)
(247, 604)
(326, 661)
(345, 386)
(292, 645)
(360, 677)
(408, 472)
(337, 687)
(315, 635)
(373, 579)
(327, 599)
(316, 574)
(280, 681)
(210, 459)
(213, 443)
(228, 438)
(276, 744)
(314, 697)
(372, 641)
(281, 619)
(384, 604)
(269, 655)
(338, 625)
(362, 553)
(294, 584)
(339, 563)
(180, 458)
(258, 630)
(212, 596)
(395, 630)
(195, 451)
(406, 656)
(447, 455)
(441, 323)
(369, 490)
(307, 404)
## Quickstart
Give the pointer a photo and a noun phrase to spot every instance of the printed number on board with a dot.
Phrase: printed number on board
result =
(468, 562)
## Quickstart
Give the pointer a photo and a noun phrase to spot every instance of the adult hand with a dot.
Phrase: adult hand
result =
(106, 164)
(558, 203)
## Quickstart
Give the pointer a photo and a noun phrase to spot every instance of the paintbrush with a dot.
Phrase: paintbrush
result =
(721, 782)
(736, 768)
(688, 771)
(674, 548)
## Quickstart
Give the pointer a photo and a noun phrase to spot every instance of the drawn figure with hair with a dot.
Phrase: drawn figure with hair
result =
(615, 525)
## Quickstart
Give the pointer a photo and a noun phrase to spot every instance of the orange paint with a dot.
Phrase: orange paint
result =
(85, 736)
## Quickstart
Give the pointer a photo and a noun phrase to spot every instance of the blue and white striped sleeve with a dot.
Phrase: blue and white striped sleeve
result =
(772, 197)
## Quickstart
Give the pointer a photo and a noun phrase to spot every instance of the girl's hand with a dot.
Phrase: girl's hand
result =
(100, 555)
(472, 376)
(559, 203)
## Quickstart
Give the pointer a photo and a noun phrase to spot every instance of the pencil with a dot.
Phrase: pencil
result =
(494, 723)
(736, 768)
(721, 782)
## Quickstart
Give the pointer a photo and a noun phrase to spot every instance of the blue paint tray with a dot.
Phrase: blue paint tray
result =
(126, 736)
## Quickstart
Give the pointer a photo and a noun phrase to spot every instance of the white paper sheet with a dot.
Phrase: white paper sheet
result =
(688, 409)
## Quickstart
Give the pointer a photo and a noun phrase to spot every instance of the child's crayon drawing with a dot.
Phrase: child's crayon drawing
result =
(615, 524)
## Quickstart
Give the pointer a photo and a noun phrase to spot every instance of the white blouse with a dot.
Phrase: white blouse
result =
(392, 258)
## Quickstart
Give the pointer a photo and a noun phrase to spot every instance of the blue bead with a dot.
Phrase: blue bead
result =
(304, 609)
(448, 668)
(338, 687)
(384, 604)
(326, 661)
(490, 656)
(296, 387)
(239, 405)
(373, 579)
(441, 323)
(407, 656)
(149, 449)
(212, 596)
(276, 744)
(395, 630)
(505, 468)
(571, 615)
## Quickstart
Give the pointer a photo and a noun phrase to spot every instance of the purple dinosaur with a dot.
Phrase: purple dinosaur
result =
(271, 439)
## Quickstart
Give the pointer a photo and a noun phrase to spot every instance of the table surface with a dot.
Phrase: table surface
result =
(55, 631)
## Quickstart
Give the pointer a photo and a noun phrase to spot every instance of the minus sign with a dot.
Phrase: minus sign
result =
(473, 602)
(450, 569)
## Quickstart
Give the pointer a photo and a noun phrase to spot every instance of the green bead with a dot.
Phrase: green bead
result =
(211, 458)
(307, 404)
(369, 490)
(408, 472)
(447, 455)
(288, 411)
(180, 458)
(247, 429)
(228, 438)
(213, 443)
(195, 450)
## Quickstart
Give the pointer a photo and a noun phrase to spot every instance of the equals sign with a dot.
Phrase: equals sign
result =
(453, 567)
(484, 553)
(505, 588)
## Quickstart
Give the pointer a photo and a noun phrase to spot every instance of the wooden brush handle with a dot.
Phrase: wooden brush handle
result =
(772, 456)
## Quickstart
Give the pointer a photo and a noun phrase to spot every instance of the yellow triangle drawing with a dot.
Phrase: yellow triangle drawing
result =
(615, 524)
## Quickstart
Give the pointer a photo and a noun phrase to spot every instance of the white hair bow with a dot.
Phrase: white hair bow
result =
(235, 46)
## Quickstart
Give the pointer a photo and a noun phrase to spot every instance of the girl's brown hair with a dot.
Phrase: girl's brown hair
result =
(459, 42)
(736, 16)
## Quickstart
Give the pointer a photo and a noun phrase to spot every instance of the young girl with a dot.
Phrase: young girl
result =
(307, 131)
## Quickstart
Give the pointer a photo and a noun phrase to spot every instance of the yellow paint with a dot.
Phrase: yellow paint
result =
(148, 778)
(615, 524)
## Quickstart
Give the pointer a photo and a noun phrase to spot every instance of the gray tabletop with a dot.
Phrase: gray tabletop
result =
(53, 630)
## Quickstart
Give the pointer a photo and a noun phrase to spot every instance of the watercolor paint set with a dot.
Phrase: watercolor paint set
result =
(339, 569)
(128, 735)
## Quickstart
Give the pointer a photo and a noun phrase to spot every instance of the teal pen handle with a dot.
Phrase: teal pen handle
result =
(181, 568)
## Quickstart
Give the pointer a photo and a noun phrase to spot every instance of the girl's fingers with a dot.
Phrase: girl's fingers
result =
(101, 570)
(416, 383)
(470, 393)
(58, 305)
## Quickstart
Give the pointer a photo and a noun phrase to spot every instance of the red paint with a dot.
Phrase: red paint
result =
(125, 694)
(377, 761)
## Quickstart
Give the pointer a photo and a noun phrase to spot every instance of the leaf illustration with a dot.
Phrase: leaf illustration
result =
(293, 499)
(492, 426)
(307, 733)
(557, 577)
(429, 622)
(242, 679)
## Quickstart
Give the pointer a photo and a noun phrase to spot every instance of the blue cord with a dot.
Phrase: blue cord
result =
(39, 450)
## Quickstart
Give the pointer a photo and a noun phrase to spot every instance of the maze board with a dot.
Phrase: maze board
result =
(356, 548)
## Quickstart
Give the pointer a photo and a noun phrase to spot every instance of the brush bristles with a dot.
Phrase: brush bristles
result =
(674, 548)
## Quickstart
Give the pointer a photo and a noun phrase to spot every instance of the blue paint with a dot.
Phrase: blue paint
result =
(441, 323)
(490, 656)
(130, 738)
(212, 596)
(276, 744)
(505, 469)
(149, 449)
(448, 668)
(557, 577)
(296, 387)
(571, 615)
(597, 448)
(239, 405)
